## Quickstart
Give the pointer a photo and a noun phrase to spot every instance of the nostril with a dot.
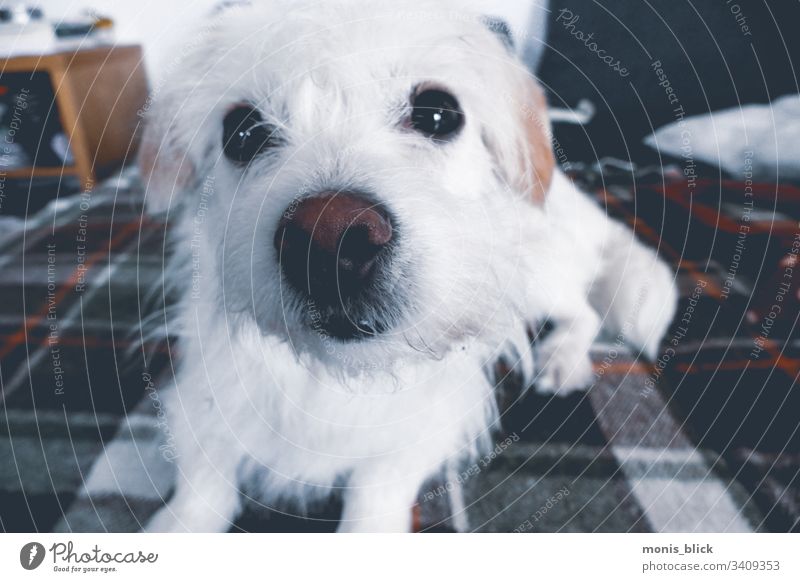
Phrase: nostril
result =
(358, 249)
(375, 223)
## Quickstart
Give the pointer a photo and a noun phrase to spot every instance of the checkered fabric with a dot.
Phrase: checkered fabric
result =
(704, 439)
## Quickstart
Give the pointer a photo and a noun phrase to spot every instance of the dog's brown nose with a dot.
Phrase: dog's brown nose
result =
(332, 239)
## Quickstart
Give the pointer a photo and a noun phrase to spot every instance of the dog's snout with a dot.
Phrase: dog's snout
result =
(330, 243)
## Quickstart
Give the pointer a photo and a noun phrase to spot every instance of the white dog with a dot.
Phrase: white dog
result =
(367, 216)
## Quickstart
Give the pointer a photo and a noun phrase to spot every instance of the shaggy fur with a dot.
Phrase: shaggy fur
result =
(264, 398)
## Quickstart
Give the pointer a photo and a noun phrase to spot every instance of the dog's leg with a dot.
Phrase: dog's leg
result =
(598, 274)
(563, 357)
(635, 294)
(206, 498)
(634, 297)
(379, 500)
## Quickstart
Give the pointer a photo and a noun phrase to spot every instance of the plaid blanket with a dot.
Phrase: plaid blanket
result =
(704, 439)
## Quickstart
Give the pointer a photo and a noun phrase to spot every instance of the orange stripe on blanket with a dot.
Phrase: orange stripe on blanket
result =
(636, 367)
(21, 335)
(778, 362)
(712, 289)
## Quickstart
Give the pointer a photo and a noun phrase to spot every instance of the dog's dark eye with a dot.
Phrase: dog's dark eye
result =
(245, 135)
(436, 113)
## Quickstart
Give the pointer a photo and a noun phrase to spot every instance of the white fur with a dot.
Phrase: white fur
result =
(266, 403)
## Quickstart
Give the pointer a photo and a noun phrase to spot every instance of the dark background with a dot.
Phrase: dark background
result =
(710, 63)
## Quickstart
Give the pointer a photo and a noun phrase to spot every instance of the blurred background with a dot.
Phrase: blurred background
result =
(681, 117)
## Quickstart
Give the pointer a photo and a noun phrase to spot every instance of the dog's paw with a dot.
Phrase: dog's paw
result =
(563, 371)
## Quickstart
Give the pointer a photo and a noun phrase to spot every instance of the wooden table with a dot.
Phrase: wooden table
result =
(98, 94)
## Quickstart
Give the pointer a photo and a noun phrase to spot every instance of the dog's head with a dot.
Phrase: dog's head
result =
(356, 179)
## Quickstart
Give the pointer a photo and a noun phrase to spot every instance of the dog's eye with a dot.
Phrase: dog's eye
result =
(436, 113)
(245, 135)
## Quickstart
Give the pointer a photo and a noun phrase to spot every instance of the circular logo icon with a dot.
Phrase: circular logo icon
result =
(31, 555)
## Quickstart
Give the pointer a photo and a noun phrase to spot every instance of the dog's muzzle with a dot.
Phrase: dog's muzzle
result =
(333, 247)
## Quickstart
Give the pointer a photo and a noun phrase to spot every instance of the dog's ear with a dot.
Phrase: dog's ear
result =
(500, 28)
(539, 160)
(166, 170)
(519, 138)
